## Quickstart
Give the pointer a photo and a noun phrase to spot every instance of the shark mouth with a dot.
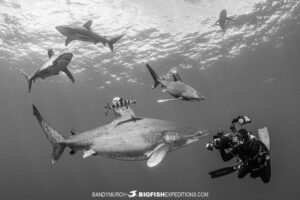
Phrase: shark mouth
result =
(197, 135)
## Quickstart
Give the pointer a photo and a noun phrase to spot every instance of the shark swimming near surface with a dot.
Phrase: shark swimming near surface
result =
(84, 33)
(177, 89)
(127, 137)
(55, 65)
(222, 19)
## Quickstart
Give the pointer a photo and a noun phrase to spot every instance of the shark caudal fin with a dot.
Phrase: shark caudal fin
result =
(155, 77)
(56, 139)
(113, 41)
(29, 81)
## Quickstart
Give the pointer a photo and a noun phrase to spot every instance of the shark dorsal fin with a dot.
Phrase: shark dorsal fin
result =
(176, 76)
(158, 155)
(88, 24)
(50, 53)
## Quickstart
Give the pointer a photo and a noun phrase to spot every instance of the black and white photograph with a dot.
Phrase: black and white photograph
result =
(149, 99)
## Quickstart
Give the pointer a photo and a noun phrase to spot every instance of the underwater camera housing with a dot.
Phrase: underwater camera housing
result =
(222, 141)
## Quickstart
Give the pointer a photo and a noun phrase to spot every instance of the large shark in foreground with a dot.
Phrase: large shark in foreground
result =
(84, 33)
(177, 89)
(126, 138)
(55, 65)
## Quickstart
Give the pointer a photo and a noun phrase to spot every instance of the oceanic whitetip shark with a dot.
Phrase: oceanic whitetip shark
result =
(84, 33)
(177, 89)
(55, 65)
(126, 138)
(222, 19)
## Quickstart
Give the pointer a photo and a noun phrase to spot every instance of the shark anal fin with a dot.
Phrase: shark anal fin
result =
(68, 73)
(88, 24)
(68, 40)
(158, 155)
(88, 153)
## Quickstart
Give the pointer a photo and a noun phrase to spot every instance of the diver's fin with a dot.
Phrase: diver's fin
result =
(176, 76)
(263, 134)
(50, 52)
(29, 81)
(158, 155)
(68, 40)
(155, 77)
(68, 73)
(111, 42)
(88, 24)
(56, 139)
(88, 153)
(224, 171)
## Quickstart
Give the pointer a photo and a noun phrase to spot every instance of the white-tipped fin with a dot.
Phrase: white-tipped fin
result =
(166, 100)
(88, 153)
(158, 155)
(88, 24)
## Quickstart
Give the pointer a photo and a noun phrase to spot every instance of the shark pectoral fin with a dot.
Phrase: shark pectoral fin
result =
(88, 24)
(166, 100)
(158, 155)
(68, 40)
(68, 73)
(88, 153)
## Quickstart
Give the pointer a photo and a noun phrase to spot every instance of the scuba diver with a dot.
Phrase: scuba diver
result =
(118, 103)
(252, 154)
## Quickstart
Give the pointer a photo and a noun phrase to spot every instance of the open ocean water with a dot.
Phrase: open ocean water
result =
(252, 69)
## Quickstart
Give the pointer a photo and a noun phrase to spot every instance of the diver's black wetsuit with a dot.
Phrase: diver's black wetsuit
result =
(252, 161)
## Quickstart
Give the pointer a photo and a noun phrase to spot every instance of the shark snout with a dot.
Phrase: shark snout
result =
(194, 135)
(62, 29)
(195, 95)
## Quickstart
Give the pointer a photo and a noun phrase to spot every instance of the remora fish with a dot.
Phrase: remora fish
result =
(126, 138)
(84, 33)
(177, 89)
(55, 65)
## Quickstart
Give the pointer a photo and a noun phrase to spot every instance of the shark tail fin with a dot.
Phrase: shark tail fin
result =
(29, 81)
(56, 139)
(155, 77)
(113, 41)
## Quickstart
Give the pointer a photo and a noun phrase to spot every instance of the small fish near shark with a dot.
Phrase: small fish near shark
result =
(84, 33)
(127, 137)
(177, 89)
(55, 65)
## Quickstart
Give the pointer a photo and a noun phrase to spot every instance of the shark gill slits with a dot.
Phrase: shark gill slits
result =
(170, 137)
